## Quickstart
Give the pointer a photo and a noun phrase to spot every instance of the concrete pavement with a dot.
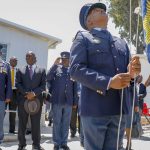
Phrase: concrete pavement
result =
(11, 142)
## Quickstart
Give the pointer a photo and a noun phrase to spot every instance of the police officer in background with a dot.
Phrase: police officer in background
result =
(101, 63)
(5, 91)
(141, 91)
(61, 88)
(50, 117)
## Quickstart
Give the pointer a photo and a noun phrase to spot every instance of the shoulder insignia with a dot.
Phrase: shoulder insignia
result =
(75, 36)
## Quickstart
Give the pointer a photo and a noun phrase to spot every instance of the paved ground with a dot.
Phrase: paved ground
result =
(137, 144)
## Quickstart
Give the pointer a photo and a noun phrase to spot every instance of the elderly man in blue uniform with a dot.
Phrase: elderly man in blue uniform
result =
(101, 63)
(61, 88)
(5, 91)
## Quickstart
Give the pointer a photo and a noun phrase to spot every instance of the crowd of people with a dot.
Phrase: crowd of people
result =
(91, 86)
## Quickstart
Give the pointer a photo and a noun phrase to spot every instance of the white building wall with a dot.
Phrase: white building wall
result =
(19, 43)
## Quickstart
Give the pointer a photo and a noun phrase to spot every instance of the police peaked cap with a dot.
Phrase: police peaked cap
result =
(65, 55)
(85, 11)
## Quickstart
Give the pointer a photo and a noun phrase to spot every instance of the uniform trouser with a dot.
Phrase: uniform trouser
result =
(35, 126)
(2, 114)
(101, 132)
(61, 122)
(81, 132)
(73, 122)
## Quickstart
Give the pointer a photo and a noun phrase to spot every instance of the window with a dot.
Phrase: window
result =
(4, 51)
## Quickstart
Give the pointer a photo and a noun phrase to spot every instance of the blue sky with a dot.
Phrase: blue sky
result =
(54, 17)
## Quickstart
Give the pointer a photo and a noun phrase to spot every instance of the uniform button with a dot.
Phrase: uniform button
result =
(98, 50)
(100, 92)
(112, 45)
(115, 56)
(117, 69)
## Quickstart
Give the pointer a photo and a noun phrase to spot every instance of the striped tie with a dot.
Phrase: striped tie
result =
(30, 72)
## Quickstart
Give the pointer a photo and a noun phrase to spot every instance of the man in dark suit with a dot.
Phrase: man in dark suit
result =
(30, 82)
(101, 63)
(5, 91)
(13, 103)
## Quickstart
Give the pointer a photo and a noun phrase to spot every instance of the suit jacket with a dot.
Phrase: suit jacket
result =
(97, 56)
(5, 82)
(24, 84)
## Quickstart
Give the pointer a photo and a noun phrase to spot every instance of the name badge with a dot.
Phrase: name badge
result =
(3, 70)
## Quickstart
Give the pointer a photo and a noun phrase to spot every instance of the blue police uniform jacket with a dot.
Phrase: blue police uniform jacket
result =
(61, 87)
(133, 97)
(5, 81)
(96, 57)
(141, 93)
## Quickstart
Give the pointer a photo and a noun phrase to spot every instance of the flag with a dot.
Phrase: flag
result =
(146, 25)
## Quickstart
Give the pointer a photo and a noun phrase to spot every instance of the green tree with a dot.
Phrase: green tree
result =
(119, 11)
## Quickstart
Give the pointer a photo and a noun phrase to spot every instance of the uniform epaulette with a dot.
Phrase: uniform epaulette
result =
(75, 36)
(84, 32)
(81, 32)
(6, 63)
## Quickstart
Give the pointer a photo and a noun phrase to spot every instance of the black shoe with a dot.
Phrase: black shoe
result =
(50, 123)
(65, 147)
(72, 135)
(37, 147)
(129, 148)
(13, 132)
(28, 132)
(81, 144)
(56, 147)
(21, 148)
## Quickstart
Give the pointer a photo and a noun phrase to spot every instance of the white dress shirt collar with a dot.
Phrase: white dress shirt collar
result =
(33, 66)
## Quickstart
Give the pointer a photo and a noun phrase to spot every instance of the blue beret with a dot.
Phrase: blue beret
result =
(85, 11)
(65, 55)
